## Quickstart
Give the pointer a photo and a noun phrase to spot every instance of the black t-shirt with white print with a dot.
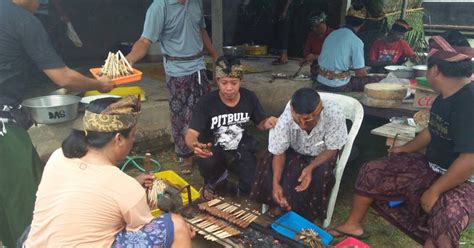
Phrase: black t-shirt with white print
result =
(226, 126)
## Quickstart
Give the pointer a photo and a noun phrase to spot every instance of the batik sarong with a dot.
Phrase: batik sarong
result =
(311, 203)
(184, 93)
(406, 177)
(159, 233)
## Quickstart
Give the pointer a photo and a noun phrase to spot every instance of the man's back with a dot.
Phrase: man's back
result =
(342, 50)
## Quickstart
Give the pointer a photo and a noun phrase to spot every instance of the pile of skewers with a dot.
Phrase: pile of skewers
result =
(233, 213)
(116, 65)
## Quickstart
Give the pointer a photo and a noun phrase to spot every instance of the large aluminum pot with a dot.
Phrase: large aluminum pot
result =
(401, 71)
(420, 70)
(52, 109)
(234, 51)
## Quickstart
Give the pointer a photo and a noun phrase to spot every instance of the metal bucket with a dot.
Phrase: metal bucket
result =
(52, 109)
(234, 51)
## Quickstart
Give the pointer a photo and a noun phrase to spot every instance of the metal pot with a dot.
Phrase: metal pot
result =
(420, 70)
(234, 51)
(52, 109)
(401, 71)
(256, 50)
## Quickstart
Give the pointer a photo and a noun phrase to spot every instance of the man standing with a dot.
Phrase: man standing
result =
(180, 28)
(217, 132)
(297, 171)
(24, 44)
(343, 51)
(437, 189)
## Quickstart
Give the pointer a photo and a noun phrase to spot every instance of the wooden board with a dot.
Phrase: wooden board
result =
(389, 130)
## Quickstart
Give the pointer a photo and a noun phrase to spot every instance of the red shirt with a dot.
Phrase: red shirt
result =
(383, 51)
(314, 42)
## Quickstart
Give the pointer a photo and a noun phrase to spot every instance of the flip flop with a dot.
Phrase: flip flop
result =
(278, 62)
(186, 169)
(340, 234)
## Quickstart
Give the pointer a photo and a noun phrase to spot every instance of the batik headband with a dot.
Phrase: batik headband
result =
(401, 26)
(441, 49)
(120, 115)
(236, 71)
(361, 14)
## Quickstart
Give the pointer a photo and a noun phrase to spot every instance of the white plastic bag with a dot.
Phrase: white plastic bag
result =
(72, 35)
(391, 78)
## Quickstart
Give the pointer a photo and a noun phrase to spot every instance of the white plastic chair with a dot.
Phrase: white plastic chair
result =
(353, 111)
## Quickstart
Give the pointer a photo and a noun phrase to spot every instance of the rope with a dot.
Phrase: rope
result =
(132, 159)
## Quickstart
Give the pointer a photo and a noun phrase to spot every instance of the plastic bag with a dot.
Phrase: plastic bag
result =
(391, 78)
(72, 35)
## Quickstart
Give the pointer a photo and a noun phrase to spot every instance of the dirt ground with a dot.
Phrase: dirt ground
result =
(382, 234)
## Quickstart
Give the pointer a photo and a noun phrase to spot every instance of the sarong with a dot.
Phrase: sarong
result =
(159, 233)
(355, 84)
(406, 177)
(20, 174)
(184, 93)
(311, 203)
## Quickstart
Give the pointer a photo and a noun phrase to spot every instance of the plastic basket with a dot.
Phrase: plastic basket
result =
(122, 91)
(352, 242)
(136, 76)
(174, 178)
(296, 222)
(423, 82)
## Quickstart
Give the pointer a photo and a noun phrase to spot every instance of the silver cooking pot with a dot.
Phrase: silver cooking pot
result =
(234, 51)
(400, 71)
(420, 70)
(52, 109)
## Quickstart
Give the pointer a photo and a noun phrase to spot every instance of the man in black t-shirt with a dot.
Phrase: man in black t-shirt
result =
(217, 132)
(437, 190)
(24, 43)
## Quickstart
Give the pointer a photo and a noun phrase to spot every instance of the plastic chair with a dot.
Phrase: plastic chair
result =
(353, 111)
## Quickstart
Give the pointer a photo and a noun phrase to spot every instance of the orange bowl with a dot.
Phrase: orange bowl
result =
(135, 76)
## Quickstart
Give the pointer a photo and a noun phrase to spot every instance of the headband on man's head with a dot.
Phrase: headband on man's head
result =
(317, 18)
(225, 69)
(441, 49)
(360, 13)
(118, 116)
(401, 26)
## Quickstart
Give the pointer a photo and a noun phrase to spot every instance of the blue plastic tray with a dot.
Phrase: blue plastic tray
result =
(296, 222)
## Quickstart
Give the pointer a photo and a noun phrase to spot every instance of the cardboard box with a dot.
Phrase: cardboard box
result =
(424, 97)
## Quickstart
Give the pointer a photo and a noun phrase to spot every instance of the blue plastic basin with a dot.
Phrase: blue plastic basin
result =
(296, 222)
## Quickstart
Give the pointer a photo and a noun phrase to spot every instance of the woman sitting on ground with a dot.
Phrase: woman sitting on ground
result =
(85, 200)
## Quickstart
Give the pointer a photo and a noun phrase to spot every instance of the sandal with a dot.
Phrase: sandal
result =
(339, 234)
(207, 193)
(275, 212)
(186, 169)
(279, 62)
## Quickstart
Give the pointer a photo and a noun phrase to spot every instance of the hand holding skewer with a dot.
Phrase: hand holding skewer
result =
(202, 150)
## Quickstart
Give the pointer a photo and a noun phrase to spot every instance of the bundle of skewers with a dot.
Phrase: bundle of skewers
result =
(212, 228)
(116, 66)
(231, 212)
(310, 238)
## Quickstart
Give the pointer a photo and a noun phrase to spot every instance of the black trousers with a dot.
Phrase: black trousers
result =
(242, 162)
